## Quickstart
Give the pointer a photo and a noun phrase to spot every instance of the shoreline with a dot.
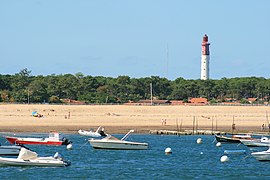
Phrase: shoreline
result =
(120, 129)
(122, 118)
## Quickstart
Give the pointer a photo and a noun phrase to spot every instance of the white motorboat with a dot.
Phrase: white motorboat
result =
(262, 156)
(111, 142)
(264, 141)
(30, 158)
(95, 134)
(9, 150)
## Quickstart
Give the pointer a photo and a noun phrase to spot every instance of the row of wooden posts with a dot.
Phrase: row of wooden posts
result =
(195, 124)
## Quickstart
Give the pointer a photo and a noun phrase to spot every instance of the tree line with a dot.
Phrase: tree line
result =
(25, 88)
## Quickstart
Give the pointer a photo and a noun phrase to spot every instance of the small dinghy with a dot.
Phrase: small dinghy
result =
(95, 134)
(9, 150)
(30, 158)
(236, 151)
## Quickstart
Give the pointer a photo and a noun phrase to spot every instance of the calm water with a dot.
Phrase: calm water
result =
(189, 160)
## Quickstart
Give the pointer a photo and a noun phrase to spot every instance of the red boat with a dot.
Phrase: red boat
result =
(53, 140)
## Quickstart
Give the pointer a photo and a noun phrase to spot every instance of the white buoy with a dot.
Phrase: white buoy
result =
(201, 152)
(199, 140)
(224, 158)
(69, 146)
(218, 144)
(168, 151)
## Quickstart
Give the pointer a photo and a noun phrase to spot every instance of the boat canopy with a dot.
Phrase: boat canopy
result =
(26, 154)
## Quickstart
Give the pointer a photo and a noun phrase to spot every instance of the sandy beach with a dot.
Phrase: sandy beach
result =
(121, 118)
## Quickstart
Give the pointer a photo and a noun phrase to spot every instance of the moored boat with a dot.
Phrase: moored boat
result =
(30, 158)
(262, 155)
(232, 139)
(111, 142)
(95, 134)
(263, 142)
(53, 140)
(9, 150)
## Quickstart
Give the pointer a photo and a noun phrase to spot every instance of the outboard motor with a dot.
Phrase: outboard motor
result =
(65, 141)
(102, 133)
(67, 163)
(59, 156)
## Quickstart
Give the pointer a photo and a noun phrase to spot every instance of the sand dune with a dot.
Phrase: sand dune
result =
(120, 118)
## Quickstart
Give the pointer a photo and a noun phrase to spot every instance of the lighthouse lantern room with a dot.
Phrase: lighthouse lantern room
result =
(205, 58)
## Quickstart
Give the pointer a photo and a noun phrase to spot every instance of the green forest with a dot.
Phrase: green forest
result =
(25, 88)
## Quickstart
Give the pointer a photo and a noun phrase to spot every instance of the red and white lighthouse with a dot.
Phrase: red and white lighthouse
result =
(205, 58)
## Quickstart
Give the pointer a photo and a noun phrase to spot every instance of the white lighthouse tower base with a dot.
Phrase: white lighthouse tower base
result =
(205, 67)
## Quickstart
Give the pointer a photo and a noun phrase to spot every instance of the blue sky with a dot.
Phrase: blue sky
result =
(123, 37)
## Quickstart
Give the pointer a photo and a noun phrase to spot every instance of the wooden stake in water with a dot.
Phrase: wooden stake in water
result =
(181, 124)
(216, 122)
(268, 123)
(197, 124)
(177, 126)
(193, 124)
(212, 124)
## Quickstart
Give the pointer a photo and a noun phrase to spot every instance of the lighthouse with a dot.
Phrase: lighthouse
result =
(205, 58)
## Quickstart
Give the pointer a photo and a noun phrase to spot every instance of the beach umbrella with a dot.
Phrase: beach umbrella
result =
(34, 113)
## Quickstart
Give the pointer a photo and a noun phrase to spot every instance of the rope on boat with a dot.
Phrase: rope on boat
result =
(214, 140)
(84, 144)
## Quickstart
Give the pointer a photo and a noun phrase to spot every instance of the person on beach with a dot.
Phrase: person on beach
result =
(68, 114)
(233, 128)
(163, 122)
(262, 127)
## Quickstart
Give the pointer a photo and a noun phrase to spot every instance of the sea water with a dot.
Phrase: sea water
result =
(188, 160)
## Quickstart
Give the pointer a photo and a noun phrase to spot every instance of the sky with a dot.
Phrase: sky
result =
(135, 38)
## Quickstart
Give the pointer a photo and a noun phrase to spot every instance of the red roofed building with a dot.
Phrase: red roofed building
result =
(72, 102)
(198, 101)
(177, 102)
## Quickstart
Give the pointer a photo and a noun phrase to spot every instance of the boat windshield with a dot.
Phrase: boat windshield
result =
(54, 135)
(111, 137)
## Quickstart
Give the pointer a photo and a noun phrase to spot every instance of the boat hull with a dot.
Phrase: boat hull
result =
(227, 139)
(43, 163)
(255, 143)
(236, 138)
(263, 142)
(122, 145)
(32, 141)
(261, 156)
